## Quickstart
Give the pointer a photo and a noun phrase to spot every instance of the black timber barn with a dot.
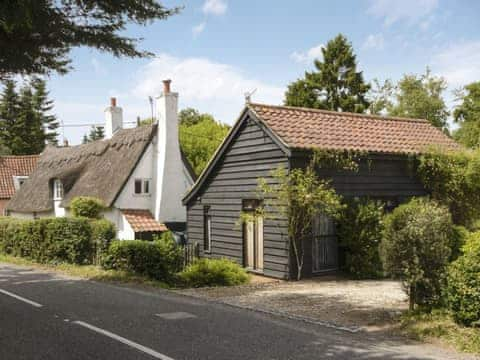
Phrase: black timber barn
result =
(266, 137)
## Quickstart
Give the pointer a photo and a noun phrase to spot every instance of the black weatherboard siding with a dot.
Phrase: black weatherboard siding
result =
(251, 154)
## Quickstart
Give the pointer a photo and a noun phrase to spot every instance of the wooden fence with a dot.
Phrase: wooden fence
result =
(191, 252)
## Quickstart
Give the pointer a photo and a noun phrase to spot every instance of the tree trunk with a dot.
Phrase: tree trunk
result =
(411, 298)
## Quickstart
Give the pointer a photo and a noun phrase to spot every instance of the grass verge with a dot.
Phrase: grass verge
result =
(439, 325)
(89, 272)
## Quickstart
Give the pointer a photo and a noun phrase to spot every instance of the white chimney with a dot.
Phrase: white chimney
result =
(170, 184)
(113, 118)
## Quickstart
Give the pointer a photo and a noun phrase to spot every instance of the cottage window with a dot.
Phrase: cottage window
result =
(57, 190)
(142, 187)
(18, 181)
(207, 229)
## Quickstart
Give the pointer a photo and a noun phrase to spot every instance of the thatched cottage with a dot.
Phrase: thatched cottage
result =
(140, 174)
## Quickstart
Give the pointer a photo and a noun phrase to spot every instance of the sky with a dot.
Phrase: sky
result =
(215, 51)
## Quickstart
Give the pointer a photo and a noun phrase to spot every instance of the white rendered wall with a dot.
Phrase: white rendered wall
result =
(144, 170)
(58, 210)
(124, 230)
(113, 120)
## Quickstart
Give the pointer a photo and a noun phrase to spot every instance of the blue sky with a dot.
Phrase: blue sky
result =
(216, 50)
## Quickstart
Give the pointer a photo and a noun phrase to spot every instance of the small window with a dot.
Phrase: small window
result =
(207, 227)
(138, 186)
(142, 186)
(57, 190)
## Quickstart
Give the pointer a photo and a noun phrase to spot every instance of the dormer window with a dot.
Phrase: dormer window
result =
(57, 190)
(18, 181)
(142, 187)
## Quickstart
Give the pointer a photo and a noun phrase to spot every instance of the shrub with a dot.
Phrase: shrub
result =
(463, 290)
(453, 179)
(103, 232)
(160, 259)
(416, 247)
(213, 272)
(87, 206)
(45, 240)
(359, 232)
(68, 239)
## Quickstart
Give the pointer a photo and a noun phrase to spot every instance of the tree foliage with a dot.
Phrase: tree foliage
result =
(87, 206)
(453, 179)
(359, 233)
(416, 248)
(26, 120)
(414, 96)
(298, 196)
(335, 85)
(467, 115)
(96, 133)
(200, 135)
(36, 36)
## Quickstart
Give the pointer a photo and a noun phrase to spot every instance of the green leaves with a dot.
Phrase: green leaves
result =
(467, 115)
(87, 206)
(37, 35)
(335, 85)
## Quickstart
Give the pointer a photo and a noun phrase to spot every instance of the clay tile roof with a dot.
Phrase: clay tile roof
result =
(142, 220)
(11, 166)
(310, 128)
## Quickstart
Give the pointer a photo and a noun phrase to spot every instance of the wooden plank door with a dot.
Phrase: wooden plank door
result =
(324, 245)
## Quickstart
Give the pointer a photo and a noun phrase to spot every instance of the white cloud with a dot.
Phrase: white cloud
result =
(309, 55)
(458, 63)
(98, 67)
(214, 7)
(209, 86)
(393, 11)
(374, 41)
(198, 29)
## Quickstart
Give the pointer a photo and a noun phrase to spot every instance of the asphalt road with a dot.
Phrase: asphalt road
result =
(46, 316)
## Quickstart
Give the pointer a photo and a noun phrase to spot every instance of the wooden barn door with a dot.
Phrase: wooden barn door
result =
(253, 239)
(324, 245)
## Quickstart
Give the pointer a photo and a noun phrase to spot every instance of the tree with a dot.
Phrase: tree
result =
(420, 96)
(26, 122)
(467, 115)
(96, 133)
(200, 136)
(416, 248)
(36, 36)
(9, 109)
(43, 107)
(381, 97)
(190, 116)
(335, 85)
(298, 196)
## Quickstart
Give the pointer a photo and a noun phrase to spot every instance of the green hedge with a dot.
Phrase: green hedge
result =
(359, 232)
(71, 240)
(213, 272)
(463, 290)
(160, 259)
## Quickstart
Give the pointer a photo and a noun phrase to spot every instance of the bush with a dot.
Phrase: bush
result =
(103, 232)
(453, 179)
(359, 232)
(87, 206)
(416, 247)
(463, 290)
(213, 272)
(160, 259)
(47, 240)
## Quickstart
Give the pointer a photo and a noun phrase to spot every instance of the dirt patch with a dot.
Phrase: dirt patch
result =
(368, 304)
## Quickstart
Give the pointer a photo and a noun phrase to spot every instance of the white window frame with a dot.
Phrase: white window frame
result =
(57, 189)
(145, 183)
(18, 181)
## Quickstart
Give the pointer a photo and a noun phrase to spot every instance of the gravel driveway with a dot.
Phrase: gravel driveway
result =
(367, 304)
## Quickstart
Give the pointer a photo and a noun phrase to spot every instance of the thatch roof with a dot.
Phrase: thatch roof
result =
(98, 169)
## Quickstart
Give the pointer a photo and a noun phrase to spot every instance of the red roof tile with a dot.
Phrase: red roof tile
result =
(11, 166)
(142, 220)
(311, 128)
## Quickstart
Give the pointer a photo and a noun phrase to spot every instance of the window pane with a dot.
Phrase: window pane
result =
(138, 186)
(146, 186)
